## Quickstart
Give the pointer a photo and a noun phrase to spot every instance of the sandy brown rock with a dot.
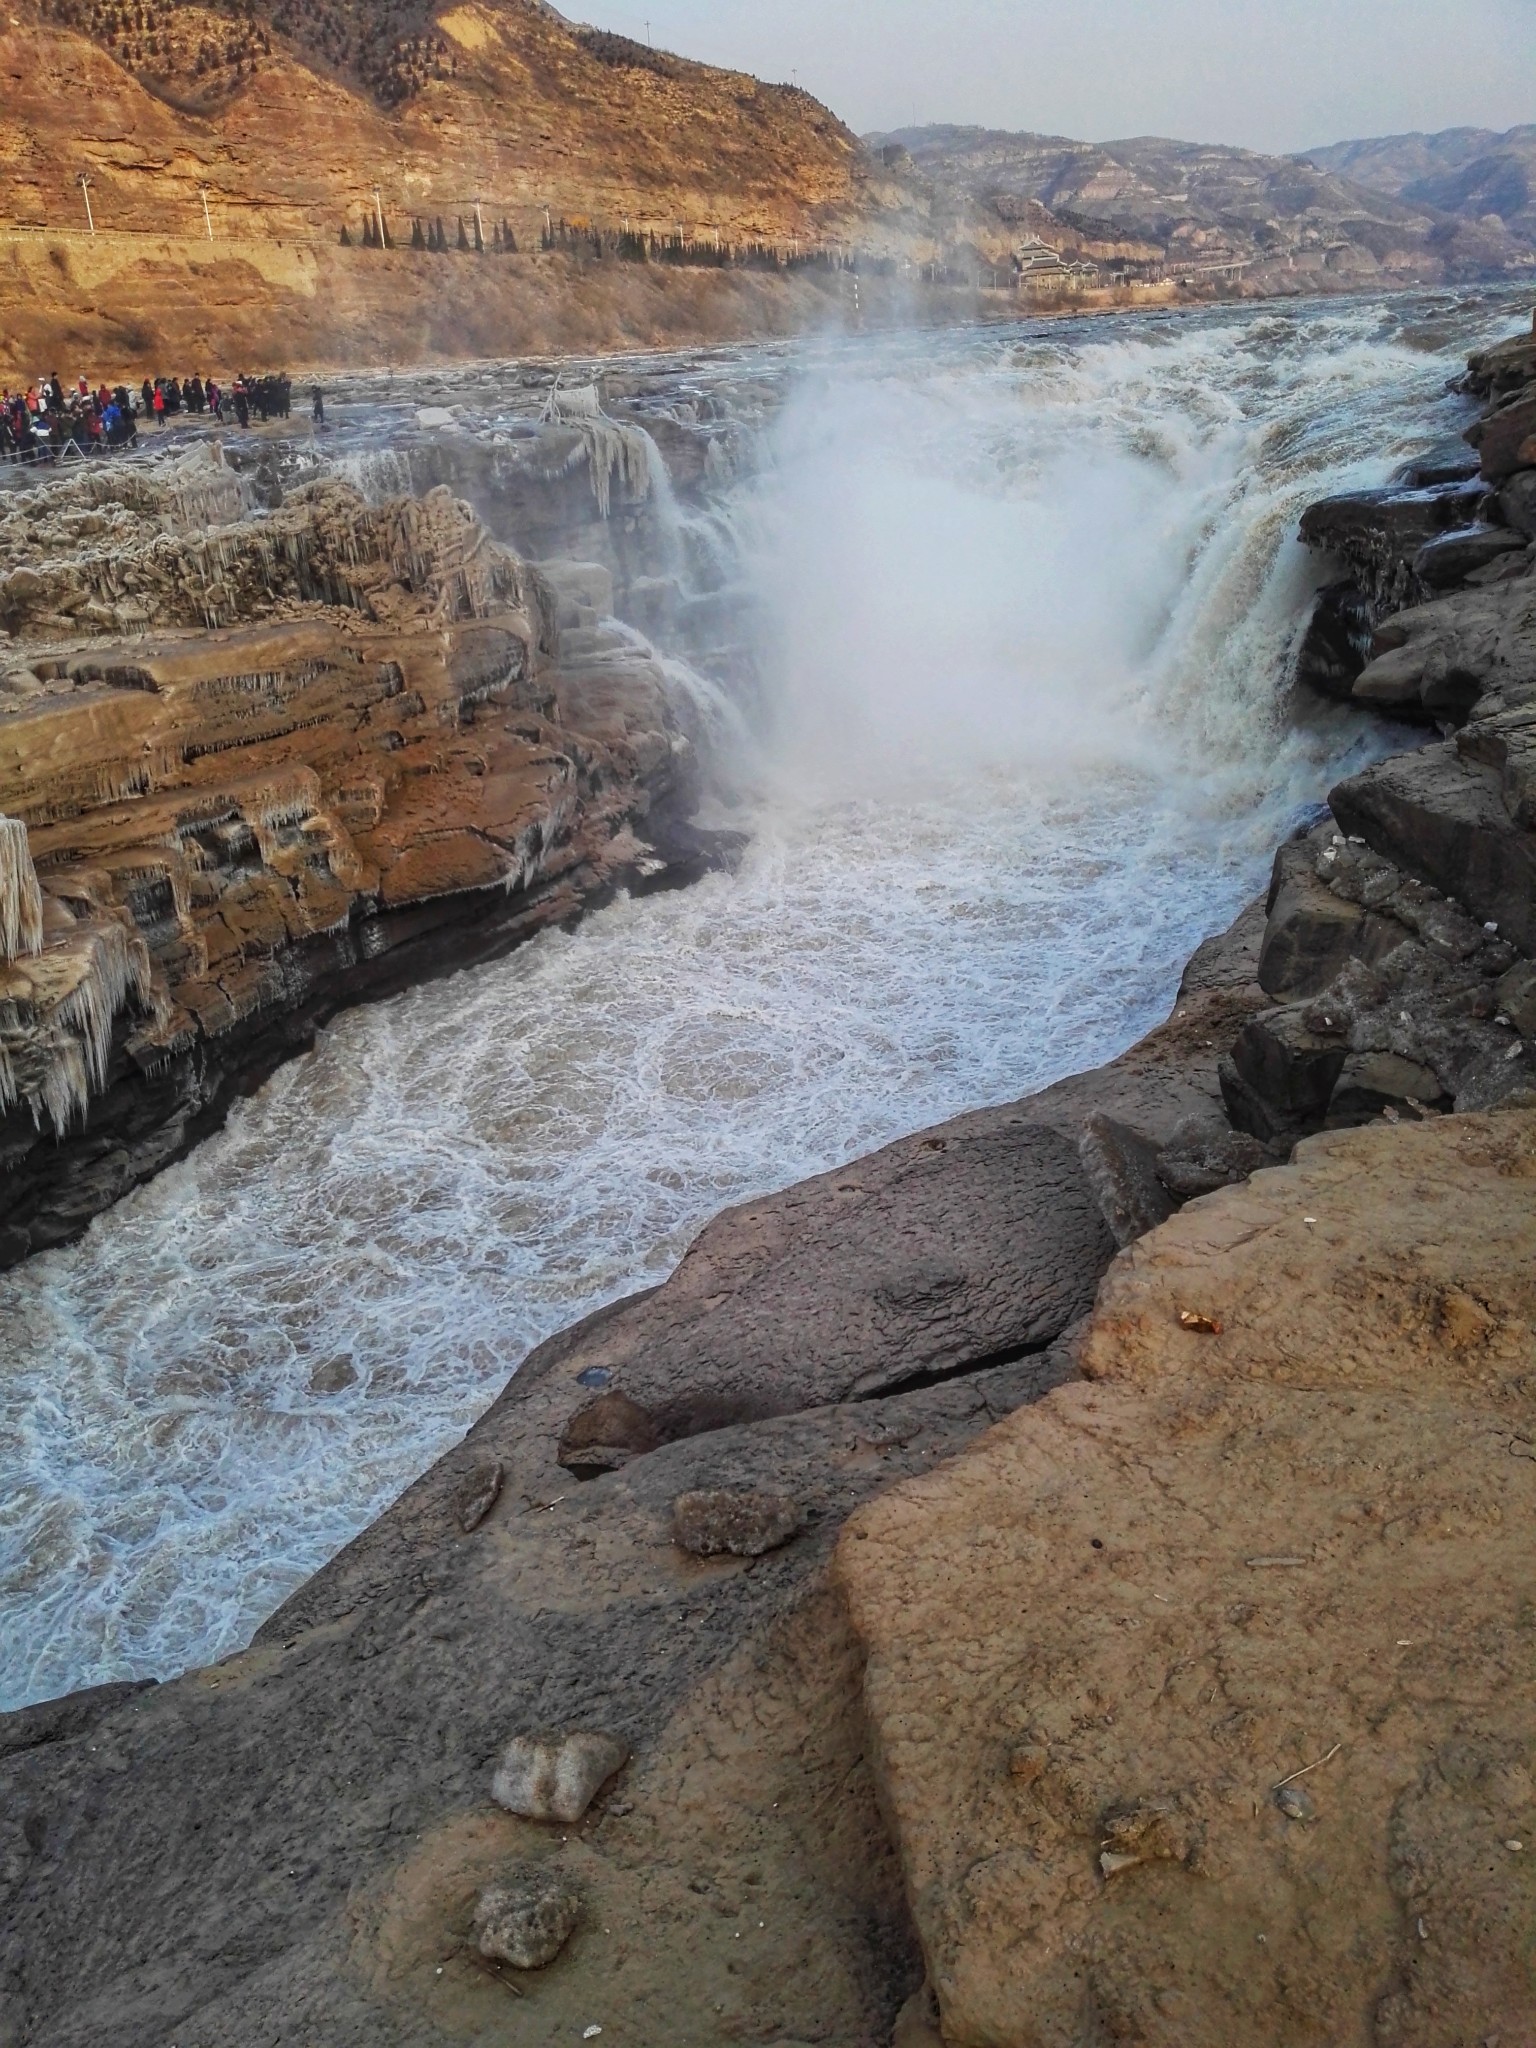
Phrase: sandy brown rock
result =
(526, 1918)
(1099, 1641)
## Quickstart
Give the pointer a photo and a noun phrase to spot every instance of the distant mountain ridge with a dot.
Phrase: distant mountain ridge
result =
(1271, 222)
(1474, 173)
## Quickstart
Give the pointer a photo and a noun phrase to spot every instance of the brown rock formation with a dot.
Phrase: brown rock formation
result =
(527, 115)
(347, 755)
(737, 1881)
(514, 110)
(1100, 1641)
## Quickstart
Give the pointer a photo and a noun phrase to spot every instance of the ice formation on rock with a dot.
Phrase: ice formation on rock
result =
(612, 449)
(21, 901)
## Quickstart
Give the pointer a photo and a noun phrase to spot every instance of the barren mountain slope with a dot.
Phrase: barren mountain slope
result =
(495, 101)
(1469, 171)
(520, 110)
(1203, 204)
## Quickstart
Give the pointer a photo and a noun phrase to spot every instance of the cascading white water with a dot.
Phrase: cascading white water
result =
(1024, 740)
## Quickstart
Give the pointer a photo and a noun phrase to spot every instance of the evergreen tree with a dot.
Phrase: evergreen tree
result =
(370, 240)
(442, 239)
(463, 238)
(479, 238)
(418, 239)
(346, 239)
(508, 239)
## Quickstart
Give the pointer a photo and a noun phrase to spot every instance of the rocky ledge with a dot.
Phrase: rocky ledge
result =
(259, 763)
(704, 1694)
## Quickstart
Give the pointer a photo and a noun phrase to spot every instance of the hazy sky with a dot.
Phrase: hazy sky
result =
(1270, 74)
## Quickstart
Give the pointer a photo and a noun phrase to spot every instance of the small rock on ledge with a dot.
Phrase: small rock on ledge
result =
(556, 1776)
(527, 1918)
(740, 1524)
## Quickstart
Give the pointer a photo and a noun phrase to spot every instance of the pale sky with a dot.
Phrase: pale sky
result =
(1268, 74)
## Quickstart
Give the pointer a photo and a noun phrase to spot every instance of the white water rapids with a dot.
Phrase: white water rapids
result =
(1028, 601)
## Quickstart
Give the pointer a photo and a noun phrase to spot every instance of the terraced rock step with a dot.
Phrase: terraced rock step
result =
(349, 755)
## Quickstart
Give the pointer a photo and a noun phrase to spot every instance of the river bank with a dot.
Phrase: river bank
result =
(819, 1346)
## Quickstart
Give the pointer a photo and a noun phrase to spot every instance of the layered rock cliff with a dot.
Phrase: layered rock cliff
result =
(225, 148)
(348, 754)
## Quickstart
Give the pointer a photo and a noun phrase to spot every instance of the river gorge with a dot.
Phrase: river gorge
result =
(989, 638)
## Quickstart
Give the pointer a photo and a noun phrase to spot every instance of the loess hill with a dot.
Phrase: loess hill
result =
(288, 115)
(1261, 224)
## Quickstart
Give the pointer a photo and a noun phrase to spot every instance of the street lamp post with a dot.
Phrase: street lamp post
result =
(83, 181)
(378, 213)
(207, 217)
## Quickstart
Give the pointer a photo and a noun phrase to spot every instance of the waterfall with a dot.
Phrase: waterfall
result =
(1022, 604)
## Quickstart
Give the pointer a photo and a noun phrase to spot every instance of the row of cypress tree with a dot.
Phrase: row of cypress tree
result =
(434, 236)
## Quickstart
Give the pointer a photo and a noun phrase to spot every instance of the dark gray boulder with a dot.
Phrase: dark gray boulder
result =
(1311, 931)
(1121, 1165)
(1442, 817)
(1451, 557)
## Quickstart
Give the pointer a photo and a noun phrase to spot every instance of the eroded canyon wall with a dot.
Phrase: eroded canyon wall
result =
(347, 754)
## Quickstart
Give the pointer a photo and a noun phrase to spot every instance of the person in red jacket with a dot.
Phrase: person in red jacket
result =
(157, 404)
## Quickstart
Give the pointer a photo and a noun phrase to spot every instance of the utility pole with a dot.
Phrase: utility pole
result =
(83, 181)
(378, 214)
(647, 35)
(207, 217)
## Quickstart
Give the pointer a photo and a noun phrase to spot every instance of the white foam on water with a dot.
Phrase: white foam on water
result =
(1024, 741)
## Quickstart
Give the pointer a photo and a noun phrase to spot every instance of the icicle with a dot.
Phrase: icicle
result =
(119, 962)
(21, 901)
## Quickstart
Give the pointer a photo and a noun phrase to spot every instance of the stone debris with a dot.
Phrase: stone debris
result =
(1123, 1169)
(478, 1493)
(1296, 1803)
(556, 1776)
(526, 1917)
(737, 1524)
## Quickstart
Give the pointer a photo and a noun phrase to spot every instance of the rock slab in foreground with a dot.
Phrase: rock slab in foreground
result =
(1099, 1641)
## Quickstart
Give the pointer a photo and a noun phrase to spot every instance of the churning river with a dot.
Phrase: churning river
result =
(1025, 603)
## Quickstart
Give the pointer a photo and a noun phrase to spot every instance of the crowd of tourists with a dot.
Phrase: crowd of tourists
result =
(50, 420)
